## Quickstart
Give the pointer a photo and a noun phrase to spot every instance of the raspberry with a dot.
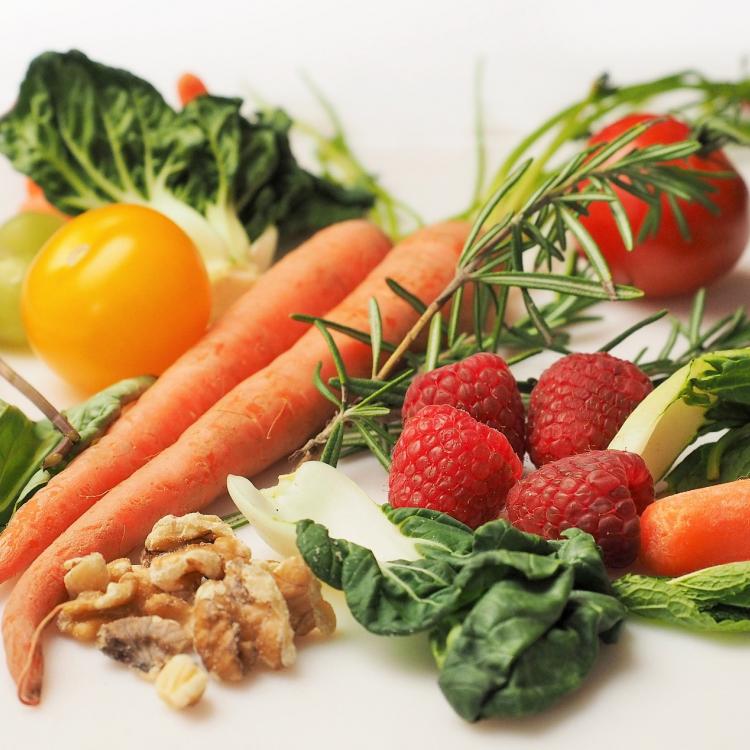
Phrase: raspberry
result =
(601, 492)
(445, 460)
(481, 384)
(580, 403)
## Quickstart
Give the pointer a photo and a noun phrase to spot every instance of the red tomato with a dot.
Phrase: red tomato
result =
(666, 263)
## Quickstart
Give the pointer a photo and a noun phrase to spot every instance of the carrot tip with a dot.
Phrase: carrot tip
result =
(30, 696)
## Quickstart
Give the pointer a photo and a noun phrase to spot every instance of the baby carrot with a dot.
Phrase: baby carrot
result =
(311, 279)
(697, 529)
(189, 86)
(261, 420)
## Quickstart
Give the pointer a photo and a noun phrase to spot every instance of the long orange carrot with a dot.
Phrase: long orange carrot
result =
(697, 529)
(249, 336)
(263, 419)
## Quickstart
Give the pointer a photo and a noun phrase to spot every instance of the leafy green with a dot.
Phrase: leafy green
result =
(724, 460)
(723, 390)
(90, 135)
(715, 599)
(24, 444)
(706, 400)
(514, 620)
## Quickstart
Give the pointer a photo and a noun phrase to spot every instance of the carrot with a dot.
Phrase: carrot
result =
(263, 419)
(189, 86)
(697, 529)
(254, 331)
(36, 201)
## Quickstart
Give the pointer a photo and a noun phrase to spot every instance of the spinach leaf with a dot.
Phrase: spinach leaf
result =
(524, 646)
(90, 135)
(715, 599)
(514, 620)
(440, 532)
(24, 444)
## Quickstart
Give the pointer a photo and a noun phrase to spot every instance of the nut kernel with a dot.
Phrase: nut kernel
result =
(181, 682)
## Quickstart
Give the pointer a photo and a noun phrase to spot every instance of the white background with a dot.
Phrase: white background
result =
(400, 74)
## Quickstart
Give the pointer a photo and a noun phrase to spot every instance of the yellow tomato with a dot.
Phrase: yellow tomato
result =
(118, 291)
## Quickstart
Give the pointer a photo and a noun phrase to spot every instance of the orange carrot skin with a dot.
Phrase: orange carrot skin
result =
(189, 87)
(697, 529)
(255, 330)
(263, 419)
(36, 201)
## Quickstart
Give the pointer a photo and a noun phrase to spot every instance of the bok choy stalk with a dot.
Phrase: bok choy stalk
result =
(514, 621)
(317, 490)
(709, 395)
(90, 135)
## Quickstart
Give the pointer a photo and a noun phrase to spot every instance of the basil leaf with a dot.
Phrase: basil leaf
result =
(514, 620)
(25, 444)
(91, 135)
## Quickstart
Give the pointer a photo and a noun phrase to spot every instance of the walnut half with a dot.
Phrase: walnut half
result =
(301, 590)
(89, 573)
(172, 532)
(83, 616)
(240, 619)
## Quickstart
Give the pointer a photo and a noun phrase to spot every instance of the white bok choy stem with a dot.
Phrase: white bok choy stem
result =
(668, 420)
(323, 494)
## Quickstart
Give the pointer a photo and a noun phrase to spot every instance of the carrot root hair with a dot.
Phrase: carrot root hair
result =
(30, 681)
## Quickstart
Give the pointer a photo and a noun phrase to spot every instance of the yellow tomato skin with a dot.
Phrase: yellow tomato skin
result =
(118, 291)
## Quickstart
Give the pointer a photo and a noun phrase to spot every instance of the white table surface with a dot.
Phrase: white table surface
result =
(400, 74)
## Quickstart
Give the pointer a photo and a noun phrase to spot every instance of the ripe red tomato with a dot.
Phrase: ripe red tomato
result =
(666, 263)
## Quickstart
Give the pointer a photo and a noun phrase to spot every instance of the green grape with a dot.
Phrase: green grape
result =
(21, 238)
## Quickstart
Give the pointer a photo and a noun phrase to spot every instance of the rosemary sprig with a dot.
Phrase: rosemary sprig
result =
(493, 257)
(716, 109)
(526, 224)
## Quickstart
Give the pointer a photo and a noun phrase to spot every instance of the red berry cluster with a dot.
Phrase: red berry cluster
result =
(465, 431)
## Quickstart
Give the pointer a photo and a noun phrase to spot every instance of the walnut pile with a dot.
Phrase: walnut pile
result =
(197, 587)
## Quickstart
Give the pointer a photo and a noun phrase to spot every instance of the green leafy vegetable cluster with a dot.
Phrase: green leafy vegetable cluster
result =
(714, 599)
(24, 444)
(90, 135)
(723, 389)
(514, 620)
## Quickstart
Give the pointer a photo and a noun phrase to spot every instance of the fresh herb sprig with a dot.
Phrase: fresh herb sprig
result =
(686, 340)
(492, 262)
(716, 109)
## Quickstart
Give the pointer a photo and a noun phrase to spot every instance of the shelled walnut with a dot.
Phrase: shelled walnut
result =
(240, 619)
(199, 588)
